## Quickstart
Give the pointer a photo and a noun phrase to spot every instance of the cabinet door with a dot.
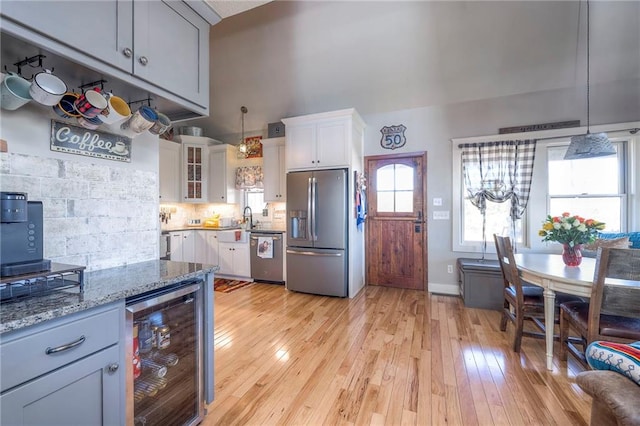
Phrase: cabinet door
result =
(241, 260)
(226, 259)
(271, 170)
(189, 246)
(201, 252)
(102, 29)
(176, 246)
(172, 48)
(194, 162)
(218, 177)
(213, 257)
(331, 144)
(86, 392)
(301, 147)
(282, 173)
(169, 168)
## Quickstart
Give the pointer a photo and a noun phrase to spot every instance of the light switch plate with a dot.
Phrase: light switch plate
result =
(441, 215)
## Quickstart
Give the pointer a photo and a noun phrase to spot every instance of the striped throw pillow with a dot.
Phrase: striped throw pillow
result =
(618, 357)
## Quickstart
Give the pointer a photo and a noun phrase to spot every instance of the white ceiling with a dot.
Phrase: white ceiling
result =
(289, 58)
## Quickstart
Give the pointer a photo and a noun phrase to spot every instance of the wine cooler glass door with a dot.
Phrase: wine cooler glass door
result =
(165, 357)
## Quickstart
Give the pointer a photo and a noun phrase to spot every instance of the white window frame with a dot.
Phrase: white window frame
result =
(537, 207)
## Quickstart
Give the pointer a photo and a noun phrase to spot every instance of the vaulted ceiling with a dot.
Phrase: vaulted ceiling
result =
(288, 58)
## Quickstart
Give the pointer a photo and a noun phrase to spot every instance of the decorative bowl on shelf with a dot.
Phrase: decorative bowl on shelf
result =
(191, 131)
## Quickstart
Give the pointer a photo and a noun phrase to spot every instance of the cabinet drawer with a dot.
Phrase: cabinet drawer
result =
(23, 354)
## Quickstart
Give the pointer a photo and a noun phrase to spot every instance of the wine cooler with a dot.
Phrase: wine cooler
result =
(165, 375)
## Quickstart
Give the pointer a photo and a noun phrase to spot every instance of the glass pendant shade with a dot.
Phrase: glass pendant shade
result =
(589, 146)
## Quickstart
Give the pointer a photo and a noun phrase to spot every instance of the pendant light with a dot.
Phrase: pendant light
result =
(242, 146)
(589, 145)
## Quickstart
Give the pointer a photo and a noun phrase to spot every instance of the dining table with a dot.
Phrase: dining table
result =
(549, 272)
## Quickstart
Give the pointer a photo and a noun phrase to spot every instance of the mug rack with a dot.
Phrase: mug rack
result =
(147, 100)
(101, 82)
(29, 62)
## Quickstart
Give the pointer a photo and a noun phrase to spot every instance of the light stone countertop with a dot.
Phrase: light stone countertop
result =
(100, 287)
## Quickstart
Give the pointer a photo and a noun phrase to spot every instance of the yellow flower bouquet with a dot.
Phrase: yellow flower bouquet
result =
(570, 230)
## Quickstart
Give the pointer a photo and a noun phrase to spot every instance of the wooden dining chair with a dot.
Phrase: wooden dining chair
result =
(522, 300)
(613, 311)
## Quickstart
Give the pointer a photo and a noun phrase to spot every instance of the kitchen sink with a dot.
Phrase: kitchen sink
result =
(233, 236)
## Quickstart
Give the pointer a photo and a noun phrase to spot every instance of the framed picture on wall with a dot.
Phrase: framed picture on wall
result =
(254, 146)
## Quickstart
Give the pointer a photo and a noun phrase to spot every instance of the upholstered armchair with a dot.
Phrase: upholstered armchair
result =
(616, 398)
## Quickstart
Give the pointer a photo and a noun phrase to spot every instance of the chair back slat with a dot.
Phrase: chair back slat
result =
(615, 298)
(508, 264)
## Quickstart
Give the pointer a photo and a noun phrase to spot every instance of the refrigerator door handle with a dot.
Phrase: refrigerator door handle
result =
(313, 253)
(309, 210)
(314, 189)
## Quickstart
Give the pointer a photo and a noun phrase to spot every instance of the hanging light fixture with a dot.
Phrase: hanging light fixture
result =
(589, 145)
(243, 150)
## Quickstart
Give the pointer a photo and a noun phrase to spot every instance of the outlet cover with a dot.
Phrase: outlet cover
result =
(437, 201)
(441, 215)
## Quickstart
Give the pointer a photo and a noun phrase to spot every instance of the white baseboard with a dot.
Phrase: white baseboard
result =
(451, 289)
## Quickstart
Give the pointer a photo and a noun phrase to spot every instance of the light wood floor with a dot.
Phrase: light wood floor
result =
(388, 356)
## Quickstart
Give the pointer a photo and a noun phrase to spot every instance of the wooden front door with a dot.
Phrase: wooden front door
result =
(396, 236)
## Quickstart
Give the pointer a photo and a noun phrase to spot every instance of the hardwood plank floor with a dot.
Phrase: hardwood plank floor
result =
(387, 357)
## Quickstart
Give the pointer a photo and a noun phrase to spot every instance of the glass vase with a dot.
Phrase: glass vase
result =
(572, 256)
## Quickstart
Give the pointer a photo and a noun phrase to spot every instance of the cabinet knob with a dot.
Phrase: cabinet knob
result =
(112, 368)
(143, 60)
(127, 52)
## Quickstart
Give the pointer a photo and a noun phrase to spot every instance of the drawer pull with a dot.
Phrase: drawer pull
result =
(66, 347)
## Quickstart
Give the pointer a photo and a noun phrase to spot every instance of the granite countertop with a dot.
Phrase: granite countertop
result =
(100, 287)
(201, 228)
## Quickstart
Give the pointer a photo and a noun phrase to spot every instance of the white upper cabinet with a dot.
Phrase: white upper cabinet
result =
(169, 168)
(194, 172)
(321, 141)
(222, 174)
(273, 167)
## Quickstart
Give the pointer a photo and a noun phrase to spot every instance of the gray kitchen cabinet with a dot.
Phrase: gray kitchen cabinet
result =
(164, 43)
(222, 174)
(273, 166)
(169, 169)
(324, 140)
(235, 259)
(65, 371)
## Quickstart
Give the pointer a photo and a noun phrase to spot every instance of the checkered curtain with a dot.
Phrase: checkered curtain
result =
(498, 172)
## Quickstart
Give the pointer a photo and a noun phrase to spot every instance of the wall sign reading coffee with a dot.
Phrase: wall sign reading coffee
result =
(78, 140)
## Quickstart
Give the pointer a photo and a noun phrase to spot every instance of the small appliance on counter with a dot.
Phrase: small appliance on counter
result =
(21, 235)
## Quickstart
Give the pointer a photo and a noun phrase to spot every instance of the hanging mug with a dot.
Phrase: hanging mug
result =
(161, 125)
(90, 103)
(14, 92)
(47, 89)
(143, 119)
(117, 110)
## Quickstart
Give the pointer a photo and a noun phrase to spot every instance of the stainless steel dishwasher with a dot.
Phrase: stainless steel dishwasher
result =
(266, 256)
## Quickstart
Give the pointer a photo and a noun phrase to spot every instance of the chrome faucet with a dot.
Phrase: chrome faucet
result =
(245, 217)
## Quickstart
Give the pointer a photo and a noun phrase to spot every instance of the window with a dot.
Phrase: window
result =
(592, 187)
(598, 187)
(255, 200)
(395, 188)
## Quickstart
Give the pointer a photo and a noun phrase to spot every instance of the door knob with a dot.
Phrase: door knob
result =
(127, 52)
(143, 60)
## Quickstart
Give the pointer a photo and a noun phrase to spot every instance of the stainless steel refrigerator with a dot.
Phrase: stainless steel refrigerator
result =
(317, 237)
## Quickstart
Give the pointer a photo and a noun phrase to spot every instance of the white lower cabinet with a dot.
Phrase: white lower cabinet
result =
(65, 371)
(183, 246)
(211, 239)
(235, 259)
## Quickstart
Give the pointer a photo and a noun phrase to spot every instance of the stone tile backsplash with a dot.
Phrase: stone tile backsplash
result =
(95, 214)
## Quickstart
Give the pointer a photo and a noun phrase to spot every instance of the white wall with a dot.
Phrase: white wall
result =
(97, 213)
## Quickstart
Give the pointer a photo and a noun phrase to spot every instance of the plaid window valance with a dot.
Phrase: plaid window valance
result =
(498, 172)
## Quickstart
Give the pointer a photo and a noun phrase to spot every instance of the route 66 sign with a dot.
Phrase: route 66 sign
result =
(393, 136)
